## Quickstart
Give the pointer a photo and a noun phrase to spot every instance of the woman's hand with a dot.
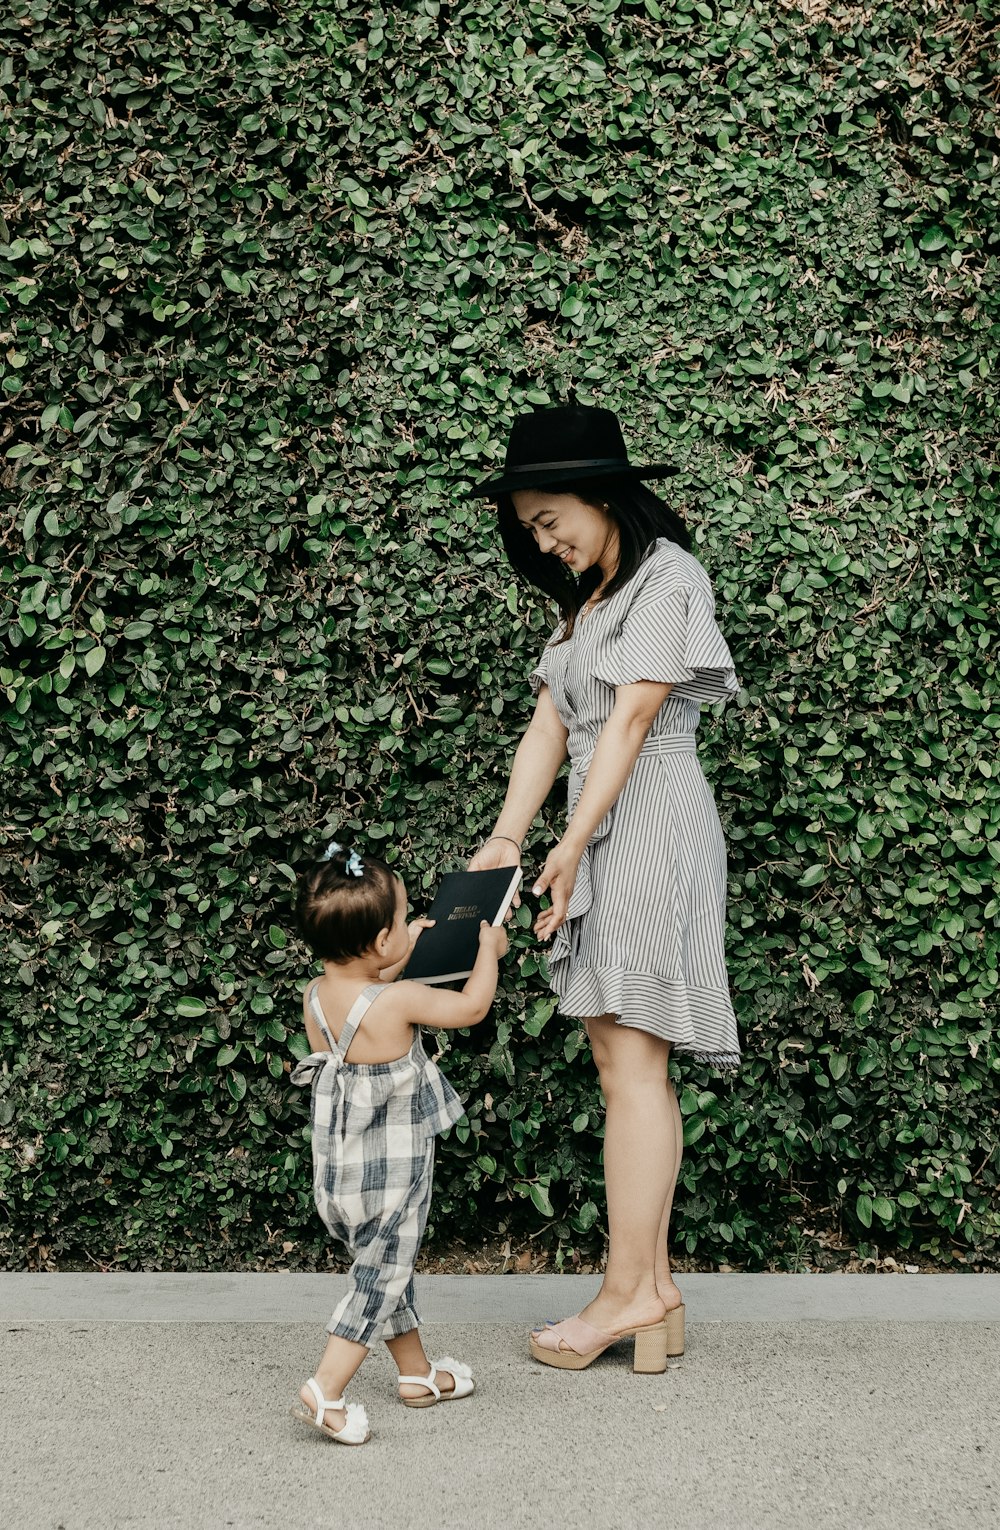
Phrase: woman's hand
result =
(494, 855)
(558, 878)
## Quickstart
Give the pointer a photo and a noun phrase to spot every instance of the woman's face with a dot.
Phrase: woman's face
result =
(567, 528)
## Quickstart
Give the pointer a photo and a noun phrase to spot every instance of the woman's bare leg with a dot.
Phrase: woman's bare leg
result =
(668, 1292)
(639, 1170)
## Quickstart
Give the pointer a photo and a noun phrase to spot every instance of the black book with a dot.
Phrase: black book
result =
(447, 953)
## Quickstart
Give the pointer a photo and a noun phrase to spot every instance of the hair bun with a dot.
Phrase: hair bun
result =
(353, 864)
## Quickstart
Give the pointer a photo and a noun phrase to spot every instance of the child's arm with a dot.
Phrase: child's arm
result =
(386, 974)
(441, 1010)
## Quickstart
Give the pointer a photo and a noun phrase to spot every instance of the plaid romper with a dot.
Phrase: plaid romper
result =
(373, 1130)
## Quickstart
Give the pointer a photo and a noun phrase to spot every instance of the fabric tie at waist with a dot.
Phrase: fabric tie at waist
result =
(663, 743)
(309, 1071)
(668, 743)
(305, 1070)
(583, 894)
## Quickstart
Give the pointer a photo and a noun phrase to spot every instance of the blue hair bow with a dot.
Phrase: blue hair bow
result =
(354, 865)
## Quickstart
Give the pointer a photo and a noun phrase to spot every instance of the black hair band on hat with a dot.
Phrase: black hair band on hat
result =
(579, 462)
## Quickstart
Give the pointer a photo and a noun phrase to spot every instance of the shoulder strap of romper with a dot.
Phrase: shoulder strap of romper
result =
(357, 1013)
(320, 1018)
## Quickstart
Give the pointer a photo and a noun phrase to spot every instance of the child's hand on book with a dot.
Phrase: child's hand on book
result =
(494, 936)
(415, 926)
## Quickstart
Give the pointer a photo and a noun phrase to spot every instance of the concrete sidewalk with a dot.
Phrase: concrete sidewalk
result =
(287, 1298)
(161, 1401)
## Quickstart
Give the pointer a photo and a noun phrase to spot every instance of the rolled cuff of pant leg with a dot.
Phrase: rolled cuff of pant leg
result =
(403, 1320)
(343, 1328)
(347, 1322)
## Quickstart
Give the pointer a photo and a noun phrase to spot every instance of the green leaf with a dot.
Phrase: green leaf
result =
(237, 1085)
(540, 1200)
(93, 659)
(694, 1129)
(863, 1209)
(812, 875)
(190, 1007)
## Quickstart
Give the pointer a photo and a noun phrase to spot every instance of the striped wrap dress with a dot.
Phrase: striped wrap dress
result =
(644, 934)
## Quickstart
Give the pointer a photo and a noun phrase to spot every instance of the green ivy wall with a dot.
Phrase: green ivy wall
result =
(274, 280)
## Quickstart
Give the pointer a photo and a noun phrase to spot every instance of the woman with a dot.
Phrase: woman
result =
(638, 881)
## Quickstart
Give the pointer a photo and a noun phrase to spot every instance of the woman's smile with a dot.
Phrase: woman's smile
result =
(549, 517)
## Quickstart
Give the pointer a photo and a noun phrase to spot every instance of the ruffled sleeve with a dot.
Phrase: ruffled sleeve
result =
(669, 634)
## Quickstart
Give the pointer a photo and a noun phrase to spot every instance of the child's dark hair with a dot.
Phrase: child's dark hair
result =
(339, 912)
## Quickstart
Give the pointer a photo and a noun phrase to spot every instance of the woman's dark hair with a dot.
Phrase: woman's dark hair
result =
(340, 914)
(640, 516)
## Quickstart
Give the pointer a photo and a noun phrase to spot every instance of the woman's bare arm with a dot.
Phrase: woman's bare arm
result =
(618, 746)
(536, 763)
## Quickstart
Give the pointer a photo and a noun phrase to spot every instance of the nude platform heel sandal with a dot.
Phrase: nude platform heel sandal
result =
(574, 1344)
(674, 1321)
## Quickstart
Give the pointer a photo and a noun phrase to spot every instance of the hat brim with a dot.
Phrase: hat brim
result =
(508, 482)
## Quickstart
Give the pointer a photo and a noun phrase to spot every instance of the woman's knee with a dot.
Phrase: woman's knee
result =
(626, 1057)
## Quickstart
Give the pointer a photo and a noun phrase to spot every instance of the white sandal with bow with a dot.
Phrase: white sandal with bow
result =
(464, 1384)
(355, 1430)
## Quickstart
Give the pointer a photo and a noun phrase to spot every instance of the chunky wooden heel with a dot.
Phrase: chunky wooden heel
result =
(650, 1357)
(574, 1343)
(674, 1323)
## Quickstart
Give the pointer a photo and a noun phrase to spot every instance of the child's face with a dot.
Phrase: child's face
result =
(394, 944)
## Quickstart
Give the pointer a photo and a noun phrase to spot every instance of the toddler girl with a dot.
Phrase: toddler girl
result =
(377, 1104)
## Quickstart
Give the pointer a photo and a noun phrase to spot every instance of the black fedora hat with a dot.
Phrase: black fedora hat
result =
(559, 445)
